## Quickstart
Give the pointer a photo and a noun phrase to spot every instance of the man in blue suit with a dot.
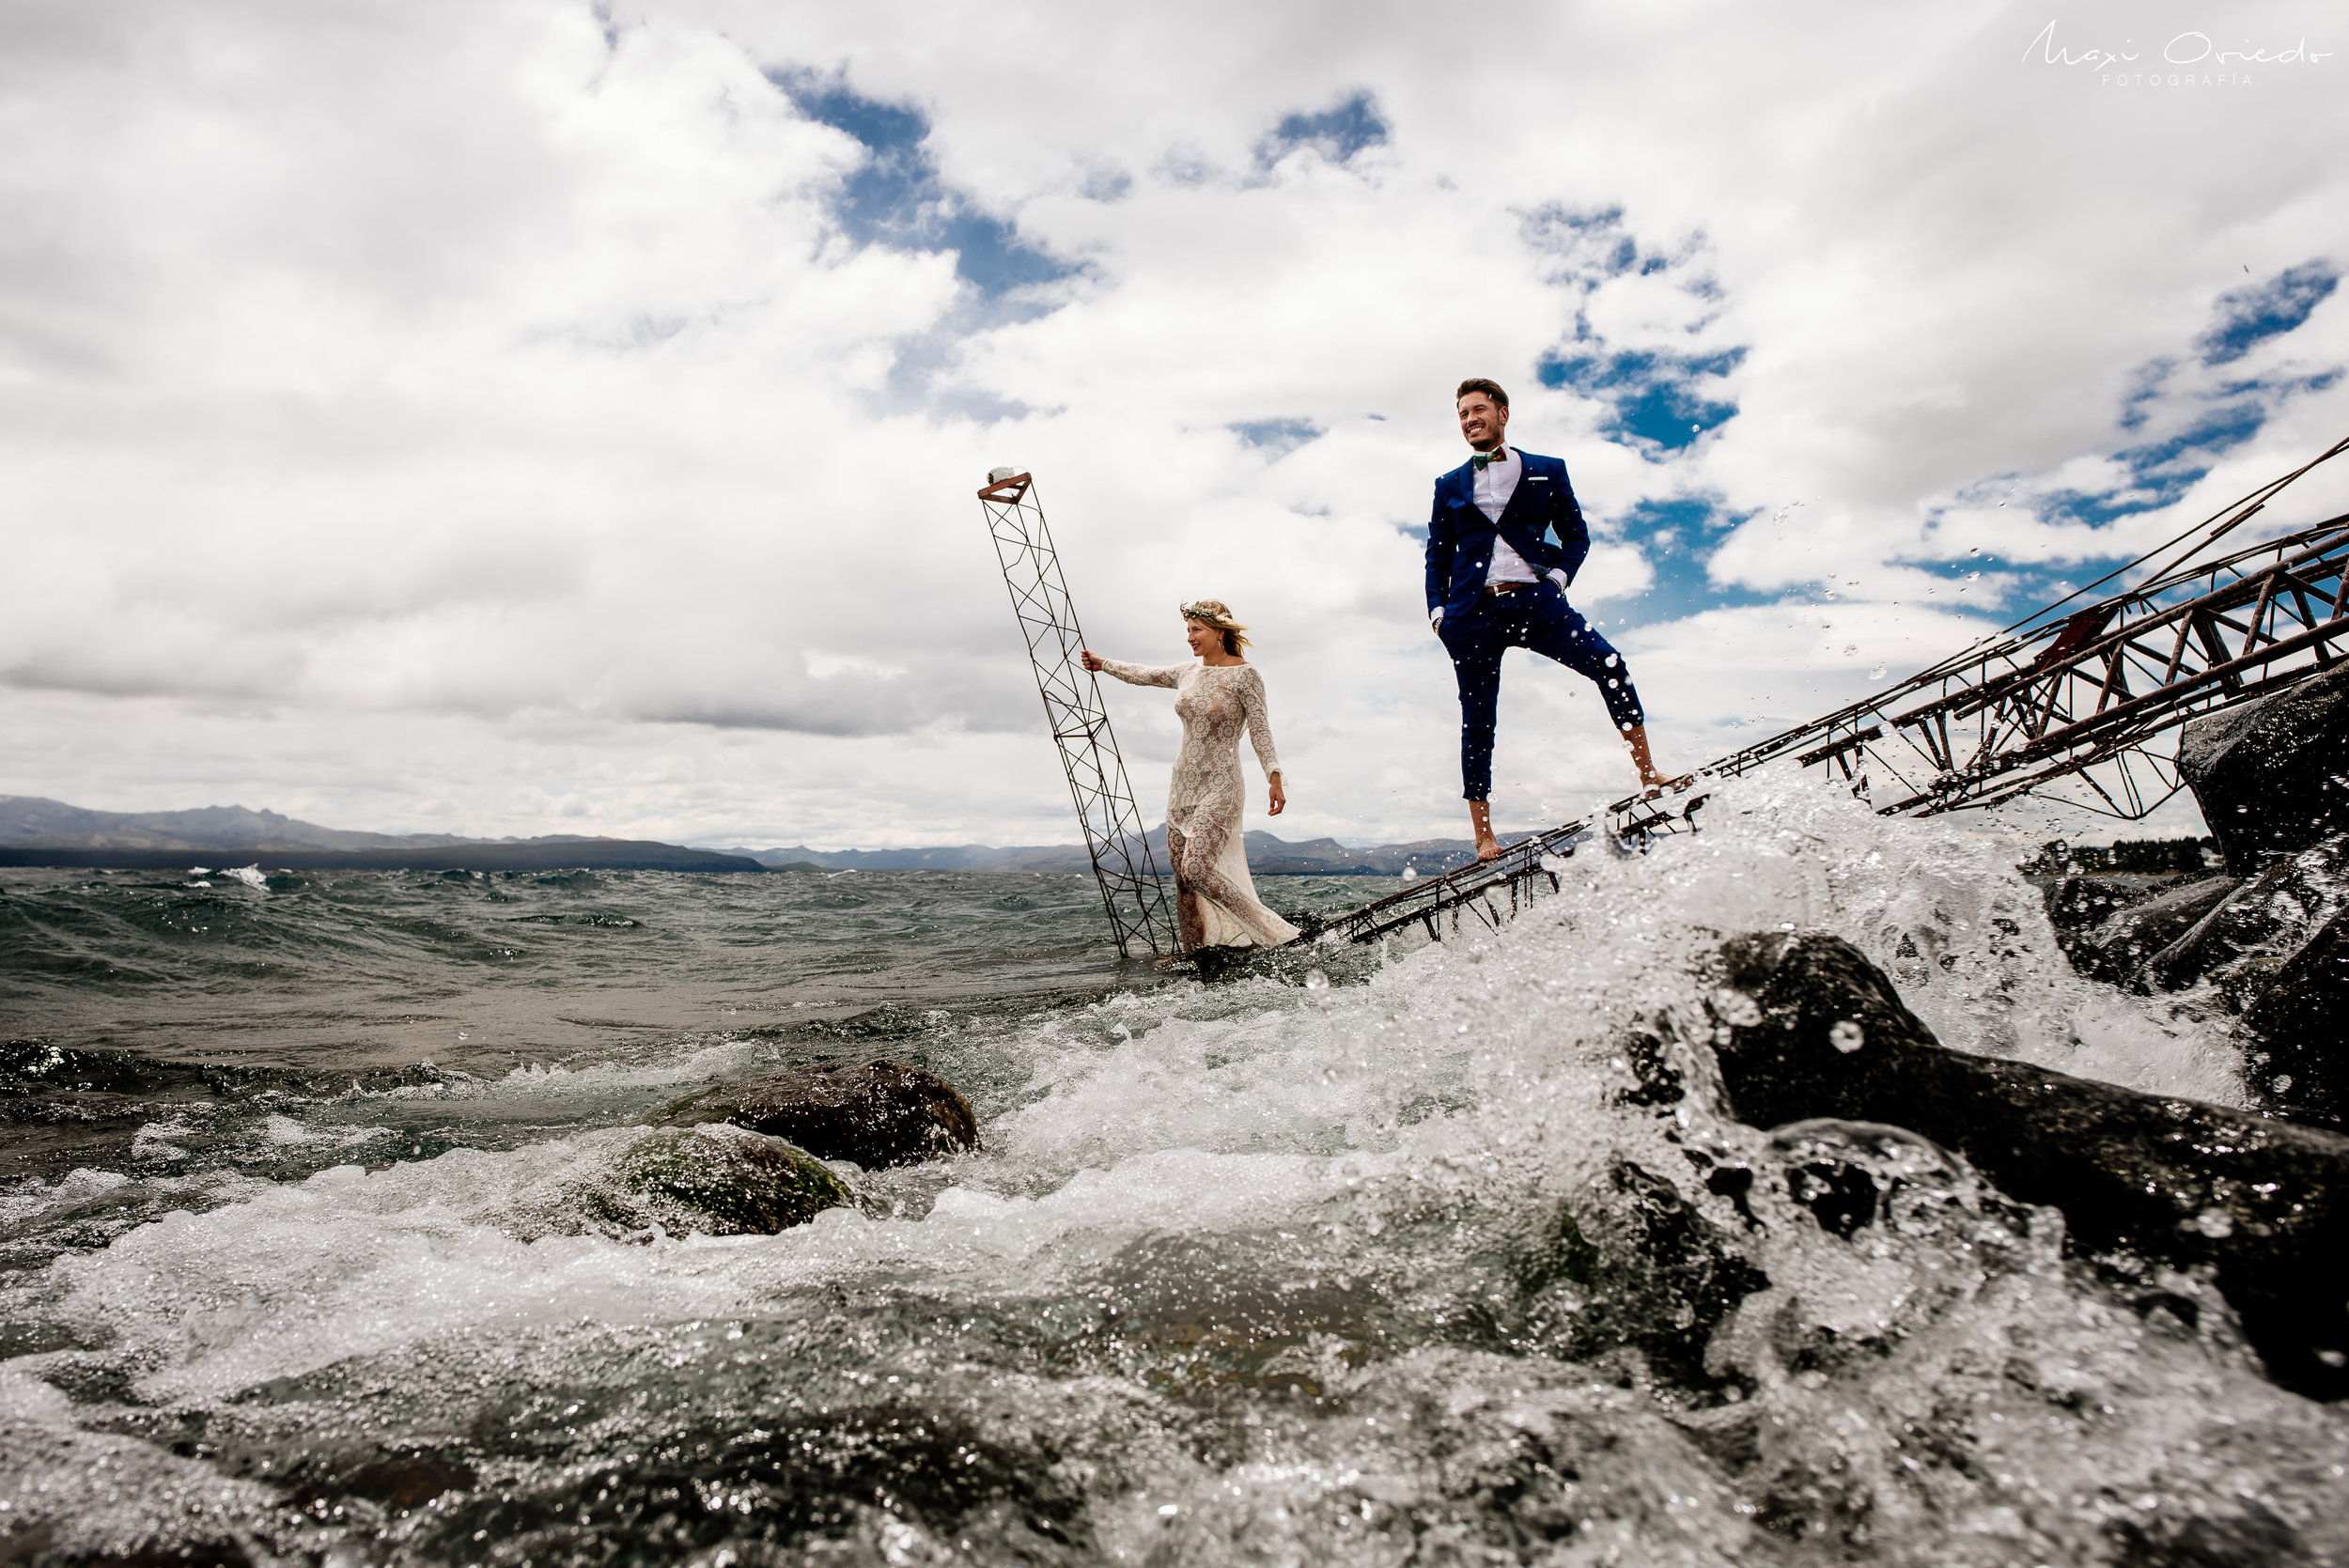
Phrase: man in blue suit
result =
(1496, 581)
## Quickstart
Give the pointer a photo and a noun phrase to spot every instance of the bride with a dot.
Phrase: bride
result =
(1215, 903)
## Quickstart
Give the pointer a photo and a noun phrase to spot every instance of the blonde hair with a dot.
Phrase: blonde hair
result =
(1216, 615)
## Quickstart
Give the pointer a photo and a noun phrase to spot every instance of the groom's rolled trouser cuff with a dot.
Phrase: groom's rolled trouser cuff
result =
(1543, 623)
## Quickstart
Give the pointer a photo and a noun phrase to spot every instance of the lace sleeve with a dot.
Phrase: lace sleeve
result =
(1142, 674)
(1253, 704)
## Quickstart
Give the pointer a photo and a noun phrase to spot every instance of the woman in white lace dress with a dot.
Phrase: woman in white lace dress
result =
(1215, 902)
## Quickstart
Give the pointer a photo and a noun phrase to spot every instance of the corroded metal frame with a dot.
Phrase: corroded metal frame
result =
(2079, 701)
(1131, 892)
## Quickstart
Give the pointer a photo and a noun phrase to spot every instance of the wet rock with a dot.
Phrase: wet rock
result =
(2246, 936)
(728, 1181)
(2115, 946)
(877, 1113)
(1632, 1263)
(2273, 775)
(2273, 951)
(1296, 963)
(2263, 1203)
(2294, 1054)
(901, 1483)
(2077, 901)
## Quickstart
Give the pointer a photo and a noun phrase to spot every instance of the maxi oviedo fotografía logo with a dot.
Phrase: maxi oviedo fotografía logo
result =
(2190, 60)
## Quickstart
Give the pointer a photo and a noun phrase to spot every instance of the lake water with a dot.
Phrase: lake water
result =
(1390, 1270)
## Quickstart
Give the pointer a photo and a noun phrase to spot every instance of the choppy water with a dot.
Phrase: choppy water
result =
(1393, 1270)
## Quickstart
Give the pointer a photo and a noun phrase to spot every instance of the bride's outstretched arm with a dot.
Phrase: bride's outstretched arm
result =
(1132, 675)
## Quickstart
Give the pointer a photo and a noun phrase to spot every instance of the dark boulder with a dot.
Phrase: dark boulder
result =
(877, 1113)
(2077, 901)
(2263, 1203)
(2273, 775)
(726, 1181)
(2113, 948)
(2273, 951)
(2247, 936)
(2294, 1053)
(1630, 1262)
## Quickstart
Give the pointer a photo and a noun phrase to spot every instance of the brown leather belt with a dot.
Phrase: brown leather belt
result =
(1504, 588)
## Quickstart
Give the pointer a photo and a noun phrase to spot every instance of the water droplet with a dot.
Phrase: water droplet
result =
(1316, 981)
(1736, 1007)
(2213, 1224)
(1846, 1036)
(1877, 674)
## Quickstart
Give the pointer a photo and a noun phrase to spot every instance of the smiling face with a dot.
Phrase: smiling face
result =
(1482, 421)
(1202, 638)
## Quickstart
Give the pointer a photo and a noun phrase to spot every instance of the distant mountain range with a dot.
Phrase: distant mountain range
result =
(1267, 856)
(38, 832)
(35, 831)
(28, 819)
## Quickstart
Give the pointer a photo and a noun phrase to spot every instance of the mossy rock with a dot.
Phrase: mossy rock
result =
(729, 1181)
(877, 1113)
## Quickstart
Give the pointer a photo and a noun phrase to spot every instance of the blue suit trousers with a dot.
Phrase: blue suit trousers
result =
(1539, 619)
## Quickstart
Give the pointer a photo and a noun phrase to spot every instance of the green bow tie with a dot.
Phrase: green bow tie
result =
(1481, 460)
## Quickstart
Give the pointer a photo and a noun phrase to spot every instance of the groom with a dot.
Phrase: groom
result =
(1495, 582)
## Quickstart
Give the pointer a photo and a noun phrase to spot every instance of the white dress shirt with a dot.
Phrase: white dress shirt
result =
(1490, 488)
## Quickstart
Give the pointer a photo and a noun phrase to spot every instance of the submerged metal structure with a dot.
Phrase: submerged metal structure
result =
(1139, 908)
(2074, 708)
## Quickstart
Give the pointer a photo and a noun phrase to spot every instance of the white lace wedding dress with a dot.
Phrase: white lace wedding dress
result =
(1215, 901)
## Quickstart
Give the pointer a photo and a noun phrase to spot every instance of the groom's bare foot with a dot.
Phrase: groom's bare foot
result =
(1652, 783)
(1481, 821)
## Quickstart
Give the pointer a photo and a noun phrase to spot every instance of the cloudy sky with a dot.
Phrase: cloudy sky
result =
(523, 416)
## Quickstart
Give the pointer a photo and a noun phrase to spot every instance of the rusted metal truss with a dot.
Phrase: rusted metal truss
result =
(1139, 908)
(2079, 708)
(2082, 700)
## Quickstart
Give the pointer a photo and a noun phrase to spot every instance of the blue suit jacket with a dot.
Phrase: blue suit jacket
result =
(1460, 536)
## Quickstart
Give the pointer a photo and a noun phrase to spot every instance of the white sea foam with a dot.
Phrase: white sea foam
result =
(562, 1081)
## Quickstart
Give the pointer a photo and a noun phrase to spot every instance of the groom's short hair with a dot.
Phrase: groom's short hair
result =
(1490, 389)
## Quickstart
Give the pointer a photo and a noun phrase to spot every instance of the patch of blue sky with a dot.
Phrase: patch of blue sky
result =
(1338, 133)
(1276, 438)
(2146, 386)
(1677, 536)
(2161, 472)
(1592, 244)
(2027, 591)
(895, 198)
(2247, 316)
(2204, 421)
(1656, 399)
